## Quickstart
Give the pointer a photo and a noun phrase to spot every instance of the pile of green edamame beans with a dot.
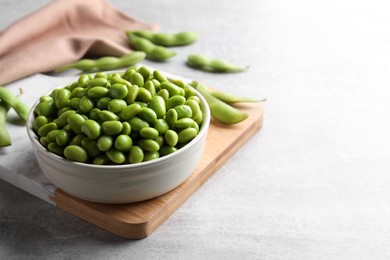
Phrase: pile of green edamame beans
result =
(9, 100)
(118, 118)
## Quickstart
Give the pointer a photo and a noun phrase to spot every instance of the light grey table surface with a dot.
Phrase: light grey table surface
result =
(314, 183)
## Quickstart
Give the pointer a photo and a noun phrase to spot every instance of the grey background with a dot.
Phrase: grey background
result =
(313, 184)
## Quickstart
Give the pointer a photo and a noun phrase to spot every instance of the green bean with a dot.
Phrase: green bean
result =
(204, 63)
(168, 39)
(5, 138)
(153, 51)
(105, 63)
(220, 111)
(14, 102)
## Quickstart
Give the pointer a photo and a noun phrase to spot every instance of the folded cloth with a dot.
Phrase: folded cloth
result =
(63, 32)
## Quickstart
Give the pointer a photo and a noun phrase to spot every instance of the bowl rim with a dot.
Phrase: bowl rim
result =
(203, 130)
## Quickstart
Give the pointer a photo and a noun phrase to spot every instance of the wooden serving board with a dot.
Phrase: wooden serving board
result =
(138, 220)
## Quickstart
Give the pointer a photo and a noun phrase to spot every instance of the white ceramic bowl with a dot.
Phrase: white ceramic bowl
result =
(121, 183)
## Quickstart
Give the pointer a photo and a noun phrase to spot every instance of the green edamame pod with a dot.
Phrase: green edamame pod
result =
(14, 102)
(5, 138)
(204, 63)
(168, 39)
(153, 52)
(105, 63)
(220, 111)
(231, 98)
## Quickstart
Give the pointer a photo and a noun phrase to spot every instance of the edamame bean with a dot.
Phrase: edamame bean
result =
(123, 143)
(187, 135)
(5, 138)
(55, 148)
(62, 98)
(91, 128)
(148, 115)
(132, 94)
(126, 129)
(185, 122)
(115, 156)
(118, 91)
(157, 104)
(86, 104)
(172, 88)
(75, 122)
(111, 127)
(104, 142)
(102, 103)
(90, 146)
(76, 153)
(136, 154)
(63, 137)
(45, 129)
(171, 137)
(137, 79)
(46, 108)
(144, 95)
(137, 124)
(116, 105)
(204, 63)
(38, 121)
(171, 117)
(145, 72)
(51, 136)
(166, 149)
(161, 126)
(149, 145)
(130, 111)
(98, 92)
(101, 160)
(150, 87)
(149, 132)
(106, 115)
(183, 111)
(148, 156)
(175, 101)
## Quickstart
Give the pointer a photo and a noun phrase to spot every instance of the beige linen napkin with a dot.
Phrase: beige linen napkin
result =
(63, 32)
